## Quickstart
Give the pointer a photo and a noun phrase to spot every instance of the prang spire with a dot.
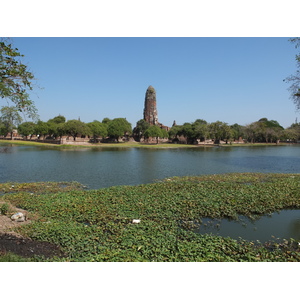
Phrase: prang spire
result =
(150, 111)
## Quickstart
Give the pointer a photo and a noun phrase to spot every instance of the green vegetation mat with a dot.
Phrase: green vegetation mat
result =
(96, 225)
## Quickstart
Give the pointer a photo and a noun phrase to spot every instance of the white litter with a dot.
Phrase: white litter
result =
(136, 221)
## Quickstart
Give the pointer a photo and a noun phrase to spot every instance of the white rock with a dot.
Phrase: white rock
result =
(17, 216)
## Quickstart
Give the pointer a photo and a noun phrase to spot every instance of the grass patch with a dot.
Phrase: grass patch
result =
(26, 143)
(134, 145)
(11, 257)
(99, 145)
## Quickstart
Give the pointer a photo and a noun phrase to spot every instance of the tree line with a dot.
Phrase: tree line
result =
(263, 130)
(58, 127)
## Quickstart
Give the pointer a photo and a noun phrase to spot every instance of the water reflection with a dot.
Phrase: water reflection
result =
(294, 227)
(5, 150)
(283, 225)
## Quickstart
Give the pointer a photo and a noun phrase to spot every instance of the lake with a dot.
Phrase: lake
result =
(104, 167)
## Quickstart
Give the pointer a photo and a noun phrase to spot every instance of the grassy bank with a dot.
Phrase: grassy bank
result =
(26, 143)
(133, 144)
(99, 145)
(97, 225)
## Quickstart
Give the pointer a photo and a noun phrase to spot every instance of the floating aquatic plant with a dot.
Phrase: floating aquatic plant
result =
(97, 225)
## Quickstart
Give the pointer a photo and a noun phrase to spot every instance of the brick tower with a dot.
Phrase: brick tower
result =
(150, 111)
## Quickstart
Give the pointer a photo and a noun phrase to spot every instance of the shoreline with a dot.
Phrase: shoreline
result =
(135, 144)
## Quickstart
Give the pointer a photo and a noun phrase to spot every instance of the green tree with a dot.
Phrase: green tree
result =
(41, 129)
(60, 130)
(187, 131)
(106, 121)
(294, 88)
(15, 79)
(274, 134)
(75, 128)
(237, 131)
(58, 119)
(220, 131)
(165, 133)
(139, 130)
(269, 130)
(257, 131)
(55, 125)
(26, 129)
(118, 127)
(98, 129)
(200, 128)
(3, 130)
(10, 118)
(292, 133)
(264, 131)
(251, 132)
(270, 123)
(227, 132)
(154, 131)
(175, 131)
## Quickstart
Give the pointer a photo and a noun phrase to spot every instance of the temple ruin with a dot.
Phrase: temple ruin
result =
(150, 110)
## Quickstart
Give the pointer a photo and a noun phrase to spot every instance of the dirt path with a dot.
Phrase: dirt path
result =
(7, 224)
(11, 241)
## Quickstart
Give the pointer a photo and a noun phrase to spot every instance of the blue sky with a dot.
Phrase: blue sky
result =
(230, 79)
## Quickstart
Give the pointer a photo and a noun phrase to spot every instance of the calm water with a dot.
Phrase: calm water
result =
(279, 225)
(97, 168)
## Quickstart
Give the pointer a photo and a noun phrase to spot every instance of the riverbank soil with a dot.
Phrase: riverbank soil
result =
(13, 242)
